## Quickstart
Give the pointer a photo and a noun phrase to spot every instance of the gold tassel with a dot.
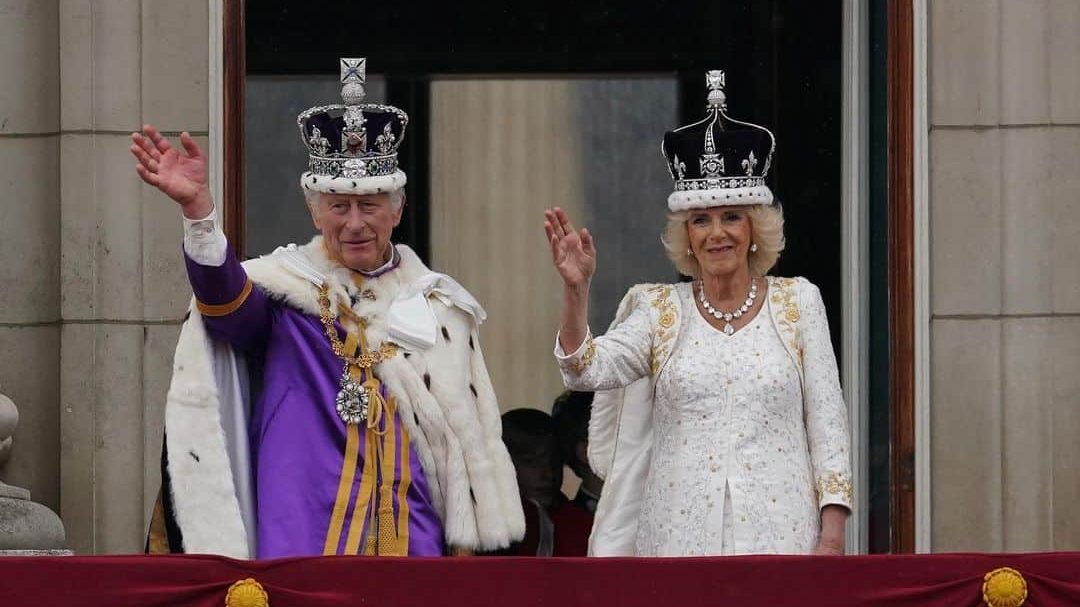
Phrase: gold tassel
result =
(403, 490)
(363, 499)
(387, 528)
(376, 404)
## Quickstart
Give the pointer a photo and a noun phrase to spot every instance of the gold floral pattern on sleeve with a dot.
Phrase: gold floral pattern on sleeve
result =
(783, 298)
(835, 484)
(664, 337)
(581, 363)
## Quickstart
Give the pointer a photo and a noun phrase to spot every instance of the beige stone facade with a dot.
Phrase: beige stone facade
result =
(1004, 171)
(94, 287)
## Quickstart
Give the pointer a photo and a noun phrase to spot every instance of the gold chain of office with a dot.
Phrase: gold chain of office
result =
(366, 360)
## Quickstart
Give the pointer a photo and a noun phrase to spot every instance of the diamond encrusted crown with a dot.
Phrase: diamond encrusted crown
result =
(352, 146)
(718, 160)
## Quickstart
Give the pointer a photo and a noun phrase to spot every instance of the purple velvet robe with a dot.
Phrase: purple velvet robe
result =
(297, 439)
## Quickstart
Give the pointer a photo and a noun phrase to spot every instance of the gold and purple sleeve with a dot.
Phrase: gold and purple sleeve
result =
(232, 307)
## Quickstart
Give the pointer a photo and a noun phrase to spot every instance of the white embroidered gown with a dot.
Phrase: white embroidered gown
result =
(714, 486)
(731, 469)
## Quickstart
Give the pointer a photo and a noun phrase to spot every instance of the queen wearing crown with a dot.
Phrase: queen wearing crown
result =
(328, 398)
(719, 425)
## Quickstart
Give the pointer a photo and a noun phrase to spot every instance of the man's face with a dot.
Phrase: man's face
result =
(356, 228)
(539, 472)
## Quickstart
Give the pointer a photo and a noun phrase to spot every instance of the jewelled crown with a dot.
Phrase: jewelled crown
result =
(352, 146)
(719, 160)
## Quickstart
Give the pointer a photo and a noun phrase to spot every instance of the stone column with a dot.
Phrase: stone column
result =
(124, 292)
(1005, 291)
(30, 237)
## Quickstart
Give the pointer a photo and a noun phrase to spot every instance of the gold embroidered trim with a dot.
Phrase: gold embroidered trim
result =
(835, 484)
(664, 336)
(225, 308)
(783, 297)
(578, 366)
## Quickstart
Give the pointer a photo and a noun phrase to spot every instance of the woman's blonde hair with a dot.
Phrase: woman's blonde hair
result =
(766, 231)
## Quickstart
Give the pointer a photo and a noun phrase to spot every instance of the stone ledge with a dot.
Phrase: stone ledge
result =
(27, 525)
(4, 553)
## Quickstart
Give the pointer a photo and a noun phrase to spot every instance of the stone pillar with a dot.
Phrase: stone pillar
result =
(1005, 292)
(124, 291)
(30, 237)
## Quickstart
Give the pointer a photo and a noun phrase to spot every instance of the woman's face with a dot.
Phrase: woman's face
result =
(720, 238)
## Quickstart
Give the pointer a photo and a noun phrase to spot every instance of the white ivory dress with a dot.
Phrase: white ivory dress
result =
(739, 464)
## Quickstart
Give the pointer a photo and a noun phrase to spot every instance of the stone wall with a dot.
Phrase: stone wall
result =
(124, 291)
(30, 240)
(94, 287)
(1004, 94)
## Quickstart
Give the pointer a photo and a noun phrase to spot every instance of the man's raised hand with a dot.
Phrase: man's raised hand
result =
(180, 176)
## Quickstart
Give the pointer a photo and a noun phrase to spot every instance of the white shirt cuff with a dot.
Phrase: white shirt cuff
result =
(204, 242)
(563, 356)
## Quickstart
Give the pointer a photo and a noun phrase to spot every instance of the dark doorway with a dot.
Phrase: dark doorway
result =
(782, 60)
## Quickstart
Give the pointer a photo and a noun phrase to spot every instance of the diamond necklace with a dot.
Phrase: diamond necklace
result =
(727, 317)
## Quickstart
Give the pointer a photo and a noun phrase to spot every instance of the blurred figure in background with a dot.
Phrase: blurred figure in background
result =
(530, 437)
(573, 519)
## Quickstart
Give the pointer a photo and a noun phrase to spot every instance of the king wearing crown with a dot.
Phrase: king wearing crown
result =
(328, 398)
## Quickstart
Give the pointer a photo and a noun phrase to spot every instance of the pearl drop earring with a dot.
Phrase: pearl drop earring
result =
(753, 248)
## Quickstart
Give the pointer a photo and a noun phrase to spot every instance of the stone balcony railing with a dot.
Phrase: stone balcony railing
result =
(26, 527)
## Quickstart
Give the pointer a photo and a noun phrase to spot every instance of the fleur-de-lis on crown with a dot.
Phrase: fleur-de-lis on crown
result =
(385, 142)
(319, 143)
(678, 168)
(749, 164)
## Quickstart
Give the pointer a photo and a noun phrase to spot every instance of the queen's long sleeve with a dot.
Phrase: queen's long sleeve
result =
(613, 360)
(824, 409)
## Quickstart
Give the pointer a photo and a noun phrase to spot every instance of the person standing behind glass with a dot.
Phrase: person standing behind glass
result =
(731, 426)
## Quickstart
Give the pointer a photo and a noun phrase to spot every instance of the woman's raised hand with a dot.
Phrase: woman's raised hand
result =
(572, 252)
(181, 177)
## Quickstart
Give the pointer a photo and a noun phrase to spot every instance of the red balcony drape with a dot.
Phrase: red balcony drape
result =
(952, 580)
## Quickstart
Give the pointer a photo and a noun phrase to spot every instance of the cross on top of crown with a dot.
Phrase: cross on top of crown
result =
(354, 70)
(715, 81)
